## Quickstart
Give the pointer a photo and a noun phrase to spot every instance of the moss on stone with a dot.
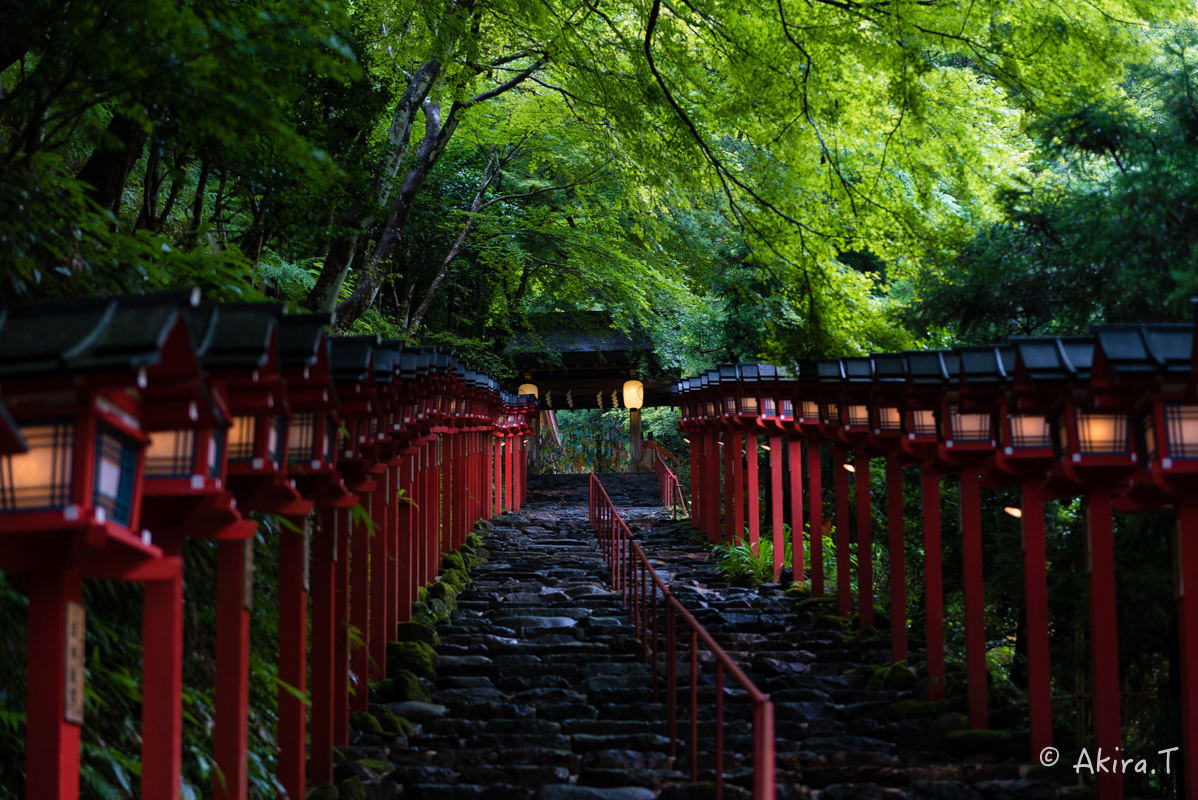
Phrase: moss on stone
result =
(815, 606)
(830, 622)
(326, 792)
(456, 578)
(441, 590)
(361, 721)
(418, 658)
(899, 678)
(351, 789)
(402, 686)
(416, 631)
(379, 768)
(388, 721)
(442, 608)
(453, 560)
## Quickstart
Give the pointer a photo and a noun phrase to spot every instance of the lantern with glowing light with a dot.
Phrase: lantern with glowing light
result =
(1090, 420)
(1155, 364)
(82, 381)
(634, 394)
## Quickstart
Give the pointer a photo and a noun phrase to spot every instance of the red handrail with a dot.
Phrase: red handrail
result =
(642, 588)
(670, 487)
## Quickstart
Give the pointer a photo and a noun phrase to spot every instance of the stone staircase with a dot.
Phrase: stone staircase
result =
(540, 690)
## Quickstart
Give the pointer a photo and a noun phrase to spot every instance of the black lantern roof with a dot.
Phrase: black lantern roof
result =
(1153, 348)
(352, 357)
(387, 361)
(749, 373)
(889, 367)
(300, 338)
(932, 366)
(235, 335)
(1055, 358)
(829, 370)
(858, 369)
(987, 363)
(91, 335)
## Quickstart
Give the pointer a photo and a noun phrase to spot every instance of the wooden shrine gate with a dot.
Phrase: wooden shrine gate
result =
(130, 424)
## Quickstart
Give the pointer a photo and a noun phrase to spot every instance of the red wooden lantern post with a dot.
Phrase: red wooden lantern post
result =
(967, 440)
(313, 448)
(725, 389)
(509, 447)
(408, 524)
(854, 431)
(927, 373)
(1025, 454)
(1092, 436)
(1158, 364)
(184, 496)
(809, 424)
(742, 418)
(687, 404)
(244, 354)
(885, 438)
(770, 421)
(381, 505)
(527, 411)
(784, 422)
(830, 380)
(75, 376)
(711, 422)
(352, 365)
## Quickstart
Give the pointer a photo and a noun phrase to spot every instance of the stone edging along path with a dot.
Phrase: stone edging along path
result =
(531, 685)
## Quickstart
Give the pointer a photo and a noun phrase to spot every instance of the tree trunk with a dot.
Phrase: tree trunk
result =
(436, 138)
(359, 217)
(113, 159)
(197, 203)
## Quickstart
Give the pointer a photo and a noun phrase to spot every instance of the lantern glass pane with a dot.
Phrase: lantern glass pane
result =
(710, 409)
(969, 427)
(730, 405)
(116, 469)
(857, 416)
(170, 454)
(41, 477)
(810, 410)
(768, 407)
(748, 405)
(1148, 437)
(889, 419)
(831, 412)
(1030, 431)
(1181, 430)
(241, 438)
(1101, 433)
(788, 408)
(301, 433)
(923, 422)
